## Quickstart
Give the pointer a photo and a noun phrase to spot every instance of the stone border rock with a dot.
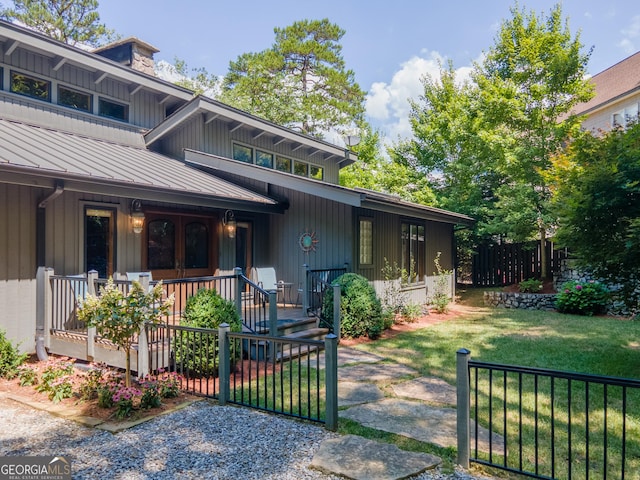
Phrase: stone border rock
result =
(526, 301)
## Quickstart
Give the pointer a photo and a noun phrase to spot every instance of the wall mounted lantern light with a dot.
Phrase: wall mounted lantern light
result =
(137, 216)
(229, 221)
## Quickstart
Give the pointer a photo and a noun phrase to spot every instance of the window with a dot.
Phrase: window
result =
(30, 86)
(366, 241)
(242, 153)
(99, 240)
(315, 172)
(264, 159)
(74, 99)
(413, 251)
(283, 164)
(196, 245)
(108, 108)
(626, 116)
(300, 168)
(161, 244)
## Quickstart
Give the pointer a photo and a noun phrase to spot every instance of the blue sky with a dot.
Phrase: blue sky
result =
(389, 45)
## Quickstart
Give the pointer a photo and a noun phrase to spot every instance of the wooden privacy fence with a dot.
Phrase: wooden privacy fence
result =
(496, 265)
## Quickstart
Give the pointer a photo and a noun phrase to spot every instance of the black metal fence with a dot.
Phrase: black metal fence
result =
(548, 424)
(292, 377)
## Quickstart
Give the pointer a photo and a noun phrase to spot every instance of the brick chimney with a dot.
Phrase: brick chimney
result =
(132, 52)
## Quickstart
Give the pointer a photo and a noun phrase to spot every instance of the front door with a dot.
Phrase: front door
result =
(179, 246)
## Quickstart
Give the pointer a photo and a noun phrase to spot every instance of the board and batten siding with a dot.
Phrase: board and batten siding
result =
(18, 269)
(144, 108)
(332, 224)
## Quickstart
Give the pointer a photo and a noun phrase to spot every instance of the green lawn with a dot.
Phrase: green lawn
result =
(602, 346)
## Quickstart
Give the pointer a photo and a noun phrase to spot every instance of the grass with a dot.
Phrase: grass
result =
(603, 346)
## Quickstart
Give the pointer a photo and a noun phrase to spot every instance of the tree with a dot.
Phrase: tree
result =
(120, 317)
(529, 82)
(70, 21)
(488, 143)
(197, 79)
(374, 172)
(597, 198)
(300, 82)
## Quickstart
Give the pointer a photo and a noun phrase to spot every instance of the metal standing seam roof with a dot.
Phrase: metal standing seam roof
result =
(45, 150)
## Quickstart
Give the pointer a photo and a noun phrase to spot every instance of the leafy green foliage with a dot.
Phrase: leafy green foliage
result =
(582, 298)
(27, 376)
(197, 79)
(198, 353)
(532, 285)
(441, 297)
(207, 309)
(70, 21)
(598, 203)
(10, 357)
(55, 379)
(300, 82)
(488, 143)
(360, 308)
(119, 317)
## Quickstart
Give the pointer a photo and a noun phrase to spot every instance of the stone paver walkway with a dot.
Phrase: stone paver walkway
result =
(391, 398)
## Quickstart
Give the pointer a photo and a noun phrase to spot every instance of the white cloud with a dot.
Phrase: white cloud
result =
(388, 103)
(630, 34)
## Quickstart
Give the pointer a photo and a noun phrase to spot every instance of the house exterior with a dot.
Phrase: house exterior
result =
(105, 167)
(617, 96)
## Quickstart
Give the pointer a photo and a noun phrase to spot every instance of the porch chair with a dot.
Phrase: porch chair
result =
(266, 279)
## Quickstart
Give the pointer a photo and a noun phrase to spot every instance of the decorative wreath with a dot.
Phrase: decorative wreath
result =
(308, 242)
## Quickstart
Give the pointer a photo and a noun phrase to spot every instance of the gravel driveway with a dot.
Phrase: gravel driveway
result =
(201, 441)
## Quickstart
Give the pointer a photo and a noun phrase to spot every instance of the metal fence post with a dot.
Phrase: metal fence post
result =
(336, 310)
(331, 381)
(463, 399)
(305, 288)
(224, 363)
(239, 289)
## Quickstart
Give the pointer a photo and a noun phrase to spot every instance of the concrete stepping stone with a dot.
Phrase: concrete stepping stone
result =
(355, 393)
(376, 372)
(429, 389)
(360, 459)
(418, 421)
(348, 355)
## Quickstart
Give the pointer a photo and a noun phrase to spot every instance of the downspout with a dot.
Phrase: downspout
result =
(41, 351)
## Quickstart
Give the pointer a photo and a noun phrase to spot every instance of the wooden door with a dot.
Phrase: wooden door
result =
(179, 246)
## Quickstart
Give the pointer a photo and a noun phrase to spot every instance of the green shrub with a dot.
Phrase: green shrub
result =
(199, 353)
(411, 312)
(360, 308)
(582, 298)
(532, 285)
(10, 357)
(440, 299)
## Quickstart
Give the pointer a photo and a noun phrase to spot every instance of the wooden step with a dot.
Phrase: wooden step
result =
(316, 333)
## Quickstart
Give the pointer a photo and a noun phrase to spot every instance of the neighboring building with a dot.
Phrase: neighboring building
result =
(616, 102)
(90, 144)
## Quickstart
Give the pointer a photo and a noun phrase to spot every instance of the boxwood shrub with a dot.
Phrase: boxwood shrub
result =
(360, 308)
(199, 353)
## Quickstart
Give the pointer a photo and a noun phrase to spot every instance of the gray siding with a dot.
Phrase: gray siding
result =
(144, 108)
(18, 269)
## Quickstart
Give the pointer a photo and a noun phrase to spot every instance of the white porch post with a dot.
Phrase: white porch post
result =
(92, 276)
(143, 344)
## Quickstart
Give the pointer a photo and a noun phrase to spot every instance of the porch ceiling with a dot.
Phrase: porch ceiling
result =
(92, 165)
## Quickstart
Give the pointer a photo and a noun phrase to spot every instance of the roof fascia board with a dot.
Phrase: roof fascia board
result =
(94, 62)
(417, 212)
(30, 178)
(290, 181)
(608, 103)
(213, 110)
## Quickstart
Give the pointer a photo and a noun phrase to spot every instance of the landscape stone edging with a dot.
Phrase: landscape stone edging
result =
(525, 301)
